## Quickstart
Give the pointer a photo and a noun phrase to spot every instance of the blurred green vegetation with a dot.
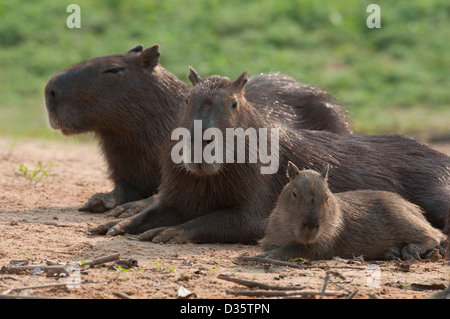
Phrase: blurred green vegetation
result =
(392, 80)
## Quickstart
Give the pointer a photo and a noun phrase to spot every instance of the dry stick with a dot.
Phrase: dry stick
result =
(271, 261)
(325, 283)
(292, 265)
(60, 268)
(255, 284)
(6, 293)
(33, 287)
(128, 263)
(18, 269)
(102, 260)
(122, 295)
(260, 293)
(26, 297)
(353, 294)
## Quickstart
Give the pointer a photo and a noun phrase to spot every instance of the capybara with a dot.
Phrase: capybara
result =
(311, 222)
(228, 201)
(131, 103)
(447, 232)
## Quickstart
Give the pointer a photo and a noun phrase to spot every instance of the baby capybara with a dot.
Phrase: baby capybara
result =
(131, 103)
(229, 201)
(311, 222)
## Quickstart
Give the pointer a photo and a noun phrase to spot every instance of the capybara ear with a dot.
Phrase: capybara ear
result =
(292, 171)
(194, 77)
(241, 81)
(325, 172)
(136, 49)
(150, 57)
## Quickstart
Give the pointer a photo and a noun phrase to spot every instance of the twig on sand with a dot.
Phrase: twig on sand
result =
(33, 287)
(122, 295)
(255, 284)
(325, 283)
(58, 268)
(326, 279)
(7, 293)
(294, 265)
(102, 260)
(298, 293)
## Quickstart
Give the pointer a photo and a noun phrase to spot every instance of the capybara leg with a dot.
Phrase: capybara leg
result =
(131, 208)
(274, 254)
(96, 204)
(101, 202)
(284, 253)
(417, 251)
(393, 254)
(157, 215)
(411, 251)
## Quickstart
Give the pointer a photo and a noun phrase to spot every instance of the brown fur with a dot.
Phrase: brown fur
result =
(311, 222)
(131, 103)
(447, 232)
(230, 202)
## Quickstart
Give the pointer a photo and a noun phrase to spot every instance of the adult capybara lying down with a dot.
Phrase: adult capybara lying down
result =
(131, 103)
(309, 221)
(228, 201)
(447, 232)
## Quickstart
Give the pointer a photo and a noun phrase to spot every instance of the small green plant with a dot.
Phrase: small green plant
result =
(213, 268)
(120, 269)
(37, 174)
(25, 253)
(401, 286)
(160, 268)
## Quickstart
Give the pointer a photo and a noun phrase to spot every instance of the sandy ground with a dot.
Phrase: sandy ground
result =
(39, 221)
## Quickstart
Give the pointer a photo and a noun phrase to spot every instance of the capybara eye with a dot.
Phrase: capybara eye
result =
(234, 106)
(186, 101)
(293, 194)
(114, 70)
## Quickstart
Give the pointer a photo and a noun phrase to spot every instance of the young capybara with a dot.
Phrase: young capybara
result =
(229, 201)
(447, 232)
(311, 222)
(131, 103)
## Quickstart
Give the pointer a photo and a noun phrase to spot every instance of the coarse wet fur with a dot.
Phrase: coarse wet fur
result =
(230, 202)
(131, 103)
(311, 222)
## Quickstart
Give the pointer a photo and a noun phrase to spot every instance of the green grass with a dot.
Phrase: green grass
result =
(37, 174)
(392, 80)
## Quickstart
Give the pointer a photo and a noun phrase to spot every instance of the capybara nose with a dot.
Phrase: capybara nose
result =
(51, 93)
(311, 226)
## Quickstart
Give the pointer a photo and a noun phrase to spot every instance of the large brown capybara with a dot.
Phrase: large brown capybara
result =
(131, 103)
(230, 201)
(311, 222)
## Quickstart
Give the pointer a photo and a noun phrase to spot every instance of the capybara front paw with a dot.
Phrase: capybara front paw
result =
(272, 254)
(99, 203)
(113, 228)
(104, 229)
(129, 209)
(410, 251)
(96, 204)
(164, 235)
